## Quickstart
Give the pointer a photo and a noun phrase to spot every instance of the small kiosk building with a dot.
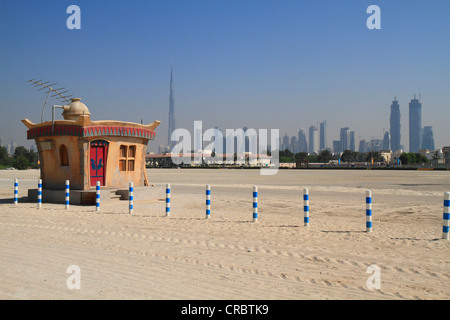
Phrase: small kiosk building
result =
(84, 151)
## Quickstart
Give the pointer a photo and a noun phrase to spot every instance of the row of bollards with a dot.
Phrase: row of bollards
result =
(445, 225)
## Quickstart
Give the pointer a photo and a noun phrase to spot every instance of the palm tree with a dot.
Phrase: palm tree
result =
(301, 158)
(348, 156)
(324, 156)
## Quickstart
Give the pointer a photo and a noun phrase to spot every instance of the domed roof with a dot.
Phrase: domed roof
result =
(74, 109)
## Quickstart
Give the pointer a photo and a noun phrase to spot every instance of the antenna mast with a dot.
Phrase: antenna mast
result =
(58, 93)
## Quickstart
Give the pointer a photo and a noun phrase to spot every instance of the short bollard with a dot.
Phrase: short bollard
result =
(368, 211)
(168, 200)
(208, 201)
(446, 219)
(97, 196)
(255, 203)
(306, 206)
(130, 197)
(16, 191)
(67, 196)
(39, 197)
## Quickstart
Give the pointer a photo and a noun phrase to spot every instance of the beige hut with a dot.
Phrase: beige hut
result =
(84, 151)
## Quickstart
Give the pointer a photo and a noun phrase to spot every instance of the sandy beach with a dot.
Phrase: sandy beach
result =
(146, 255)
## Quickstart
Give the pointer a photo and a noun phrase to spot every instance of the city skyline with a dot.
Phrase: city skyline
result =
(420, 137)
(423, 136)
(264, 64)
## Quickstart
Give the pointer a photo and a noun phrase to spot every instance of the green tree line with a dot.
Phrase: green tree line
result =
(412, 158)
(22, 158)
(348, 156)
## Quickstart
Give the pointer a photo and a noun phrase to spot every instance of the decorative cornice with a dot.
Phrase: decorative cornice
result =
(91, 131)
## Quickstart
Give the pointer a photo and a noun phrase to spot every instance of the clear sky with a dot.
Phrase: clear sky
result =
(256, 63)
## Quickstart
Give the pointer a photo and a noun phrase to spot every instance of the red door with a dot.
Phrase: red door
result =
(97, 161)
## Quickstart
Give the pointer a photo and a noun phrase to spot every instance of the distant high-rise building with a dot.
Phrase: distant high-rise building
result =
(386, 140)
(198, 137)
(285, 145)
(171, 112)
(337, 148)
(344, 137)
(313, 139)
(376, 145)
(395, 126)
(293, 146)
(363, 146)
(219, 141)
(352, 144)
(301, 141)
(415, 125)
(323, 135)
(428, 139)
(12, 147)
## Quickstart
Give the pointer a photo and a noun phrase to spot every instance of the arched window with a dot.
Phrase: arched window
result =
(63, 155)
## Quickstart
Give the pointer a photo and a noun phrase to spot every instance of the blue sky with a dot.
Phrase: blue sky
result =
(261, 64)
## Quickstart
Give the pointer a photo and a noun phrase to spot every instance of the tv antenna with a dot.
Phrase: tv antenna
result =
(56, 92)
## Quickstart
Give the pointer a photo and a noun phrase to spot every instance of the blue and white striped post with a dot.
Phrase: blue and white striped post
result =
(368, 211)
(16, 191)
(306, 207)
(97, 196)
(167, 199)
(446, 220)
(130, 196)
(67, 195)
(39, 196)
(255, 203)
(208, 201)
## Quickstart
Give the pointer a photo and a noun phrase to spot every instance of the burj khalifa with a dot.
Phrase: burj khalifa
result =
(171, 112)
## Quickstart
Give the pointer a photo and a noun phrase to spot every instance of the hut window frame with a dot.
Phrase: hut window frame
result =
(127, 156)
(63, 156)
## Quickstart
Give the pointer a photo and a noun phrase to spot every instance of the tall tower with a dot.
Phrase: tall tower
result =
(313, 139)
(395, 125)
(323, 135)
(171, 112)
(345, 135)
(386, 141)
(301, 141)
(415, 125)
(351, 141)
(428, 139)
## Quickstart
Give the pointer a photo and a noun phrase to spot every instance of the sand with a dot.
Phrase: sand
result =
(146, 255)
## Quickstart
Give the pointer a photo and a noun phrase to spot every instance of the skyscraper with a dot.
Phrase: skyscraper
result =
(428, 139)
(386, 141)
(344, 137)
(301, 141)
(352, 143)
(323, 135)
(293, 146)
(395, 125)
(415, 125)
(313, 139)
(285, 145)
(171, 112)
